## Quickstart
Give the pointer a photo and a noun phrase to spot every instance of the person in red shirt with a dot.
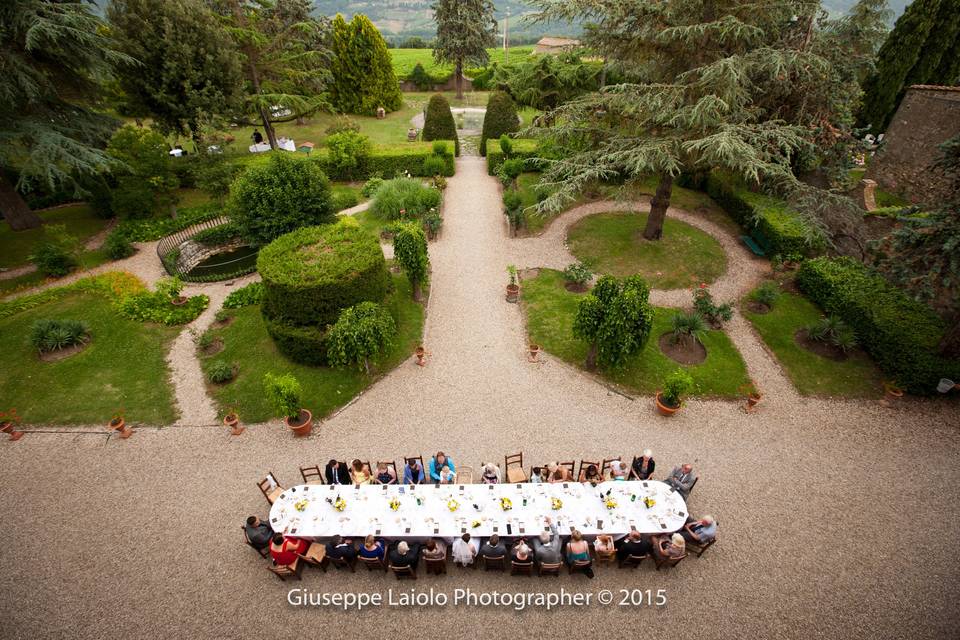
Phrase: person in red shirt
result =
(284, 551)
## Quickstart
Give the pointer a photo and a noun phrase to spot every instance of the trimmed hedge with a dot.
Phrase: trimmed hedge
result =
(304, 344)
(388, 160)
(438, 122)
(311, 274)
(786, 231)
(500, 118)
(524, 148)
(900, 333)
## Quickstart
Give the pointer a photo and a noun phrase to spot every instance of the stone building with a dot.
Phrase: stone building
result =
(556, 45)
(927, 116)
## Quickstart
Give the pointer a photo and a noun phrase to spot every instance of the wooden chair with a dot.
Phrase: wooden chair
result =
(366, 465)
(607, 556)
(284, 571)
(549, 569)
(495, 563)
(270, 494)
(698, 548)
(391, 465)
(570, 468)
(632, 562)
(633, 469)
(521, 568)
(406, 572)
(316, 555)
(667, 562)
(606, 466)
(426, 472)
(437, 566)
(464, 475)
(312, 475)
(578, 565)
(343, 563)
(374, 563)
(513, 468)
(265, 552)
(584, 465)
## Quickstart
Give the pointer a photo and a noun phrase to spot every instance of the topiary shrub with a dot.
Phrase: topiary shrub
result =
(501, 118)
(53, 335)
(438, 123)
(310, 276)
(410, 250)
(347, 154)
(403, 198)
(361, 334)
(434, 166)
(284, 194)
(524, 148)
(58, 254)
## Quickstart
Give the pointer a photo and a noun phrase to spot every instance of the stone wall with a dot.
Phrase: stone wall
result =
(927, 116)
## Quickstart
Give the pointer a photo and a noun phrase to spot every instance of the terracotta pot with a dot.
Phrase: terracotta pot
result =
(302, 428)
(231, 420)
(665, 409)
(179, 301)
(421, 354)
(6, 427)
(117, 424)
(892, 392)
(513, 292)
(126, 432)
(753, 399)
(534, 352)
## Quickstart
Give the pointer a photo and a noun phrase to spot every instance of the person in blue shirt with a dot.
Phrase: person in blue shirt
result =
(413, 472)
(700, 531)
(437, 463)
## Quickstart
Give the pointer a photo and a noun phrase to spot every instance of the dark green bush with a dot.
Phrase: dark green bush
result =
(156, 228)
(438, 122)
(524, 148)
(370, 186)
(786, 231)
(901, 334)
(117, 246)
(434, 166)
(312, 274)
(361, 334)
(344, 200)
(284, 194)
(510, 169)
(220, 372)
(404, 195)
(57, 254)
(244, 296)
(422, 80)
(501, 118)
(48, 335)
(304, 344)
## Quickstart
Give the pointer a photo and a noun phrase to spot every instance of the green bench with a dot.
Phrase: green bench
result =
(757, 243)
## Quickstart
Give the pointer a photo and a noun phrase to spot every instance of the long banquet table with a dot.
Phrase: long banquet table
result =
(308, 511)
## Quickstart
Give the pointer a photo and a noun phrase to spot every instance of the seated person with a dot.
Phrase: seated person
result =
(437, 463)
(669, 547)
(546, 548)
(464, 551)
(341, 548)
(539, 475)
(578, 550)
(603, 545)
(405, 554)
(700, 531)
(258, 533)
(634, 545)
(285, 550)
(373, 548)
(435, 549)
(493, 548)
(618, 470)
(491, 474)
(521, 553)
(413, 472)
(447, 476)
(591, 474)
(643, 466)
(359, 473)
(558, 473)
(385, 474)
(336, 473)
(682, 479)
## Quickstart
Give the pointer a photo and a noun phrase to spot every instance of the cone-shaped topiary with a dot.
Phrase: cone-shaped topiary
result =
(501, 118)
(363, 76)
(439, 124)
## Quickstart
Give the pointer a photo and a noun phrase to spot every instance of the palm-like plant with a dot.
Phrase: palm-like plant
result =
(688, 326)
(833, 331)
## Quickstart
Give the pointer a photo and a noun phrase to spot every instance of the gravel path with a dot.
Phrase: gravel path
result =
(833, 515)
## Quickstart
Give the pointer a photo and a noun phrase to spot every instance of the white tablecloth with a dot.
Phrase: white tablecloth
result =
(283, 143)
(368, 510)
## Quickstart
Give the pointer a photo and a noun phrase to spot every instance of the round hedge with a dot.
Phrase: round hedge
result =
(310, 275)
(307, 345)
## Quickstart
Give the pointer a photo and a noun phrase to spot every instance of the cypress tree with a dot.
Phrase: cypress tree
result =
(362, 70)
(940, 42)
(501, 118)
(438, 123)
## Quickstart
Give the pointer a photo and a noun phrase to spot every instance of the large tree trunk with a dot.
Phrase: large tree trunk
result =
(459, 79)
(592, 357)
(658, 208)
(417, 295)
(15, 209)
(268, 128)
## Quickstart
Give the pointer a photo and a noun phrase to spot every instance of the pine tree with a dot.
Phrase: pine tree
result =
(895, 60)
(362, 69)
(465, 28)
(941, 41)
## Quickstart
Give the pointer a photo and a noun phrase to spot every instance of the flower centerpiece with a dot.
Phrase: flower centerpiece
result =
(475, 524)
(301, 505)
(394, 504)
(452, 505)
(649, 502)
(610, 503)
(556, 504)
(506, 504)
(339, 504)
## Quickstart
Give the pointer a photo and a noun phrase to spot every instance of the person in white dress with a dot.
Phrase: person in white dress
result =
(464, 551)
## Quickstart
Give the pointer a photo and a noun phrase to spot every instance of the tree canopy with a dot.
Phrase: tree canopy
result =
(546, 82)
(465, 28)
(363, 74)
(615, 319)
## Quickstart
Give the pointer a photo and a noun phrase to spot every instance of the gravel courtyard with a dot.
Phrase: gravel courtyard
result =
(837, 519)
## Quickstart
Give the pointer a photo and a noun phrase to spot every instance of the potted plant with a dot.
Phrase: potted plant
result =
(753, 395)
(8, 422)
(513, 289)
(284, 394)
(117, 422)
(421, 354)
(172, 288)
(675, 387)
(232, 420)
(534, 351)
(891, 391)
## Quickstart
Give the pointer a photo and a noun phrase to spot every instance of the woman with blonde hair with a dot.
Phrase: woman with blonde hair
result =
(359, 473)
(578, 550)
(491, 474)
(673, 547)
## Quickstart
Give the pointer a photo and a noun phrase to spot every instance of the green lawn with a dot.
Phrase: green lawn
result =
(612, 243)
(15, 246)
(696, 202)
(123, 367)
(550, 310)
(325, 389)
(404, 60)
(810, 373)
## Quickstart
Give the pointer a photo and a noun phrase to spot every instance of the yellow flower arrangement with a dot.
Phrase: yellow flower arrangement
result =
(506, 504)
(452, 505)
(611, 503)
(649, 502)
(300, 505)
(475, 524)
(394, 504)
(340, 504)
(556, 504)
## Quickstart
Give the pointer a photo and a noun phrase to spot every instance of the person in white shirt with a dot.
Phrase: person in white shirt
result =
(464, 551)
